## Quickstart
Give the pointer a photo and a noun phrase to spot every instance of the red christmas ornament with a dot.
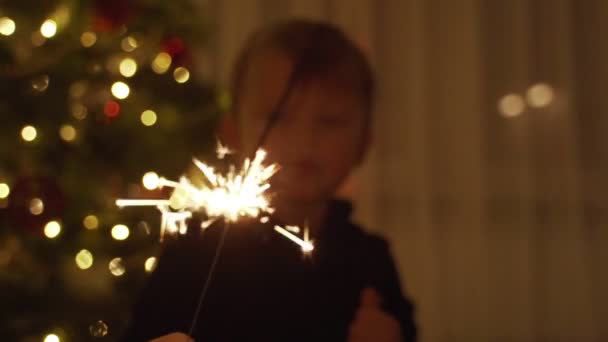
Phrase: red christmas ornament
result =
(177, 49)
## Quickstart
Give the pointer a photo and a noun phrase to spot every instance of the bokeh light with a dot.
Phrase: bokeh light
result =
(5, 190)
(79, 111)
(36, 206)
(48, 28)
(181, 75)
(90, 222)
(511, 105)
(129, 44)
(150, 180)
(148, 117)
(84, 259)
(127, 67)
(29, 133)
(40, 83)
(540, 95)
(88, 39)
(120, 90)
(116, 267)
(7, 26)
(120, 232)
(111, 109)
(150, 264)
(67, 133)
(52, 229)
(98, 329)
(51, 338)
(161, 63)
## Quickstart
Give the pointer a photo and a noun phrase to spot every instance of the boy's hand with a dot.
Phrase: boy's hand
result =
(173, 337)
(371, 323)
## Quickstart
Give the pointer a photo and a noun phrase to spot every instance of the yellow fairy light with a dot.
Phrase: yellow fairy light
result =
(51, 338)
(511, 105)
(150, 180)
(129, 44)
(36, 206)
(120, 232)
(150, 264)
(90, 222)
(128, 67)
(181, 75)
(48, 28)
(116, 267)
(84, 259)
(88, 39)
(120, 90)
(52, 229)
(539, 95)
(5, 190)
(161, 63)
(67, 133)
(7, 26)
(29, 133)
(79, 111)
(148, 117)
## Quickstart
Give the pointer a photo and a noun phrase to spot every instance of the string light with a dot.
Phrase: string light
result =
(120, 90)
(48, 28)
(540, 95)
(161, 63)
(98, 329)
(51, 338)
(148, 118)
(111, 109)
(67, 133)
(120, 232)
(129, 44)
(88, 39)
(181, 75)
(84, 259)
(5, 190)
(150, 264)
(52, 229)
(29, 133)
(90, 222)
(7, 26)
(116, 267)
(150, 180)
(36, 206)
(40, 83)
(128, 67)
(511, 105)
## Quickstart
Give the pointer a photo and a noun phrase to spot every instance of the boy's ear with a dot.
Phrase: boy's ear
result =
(227, 131)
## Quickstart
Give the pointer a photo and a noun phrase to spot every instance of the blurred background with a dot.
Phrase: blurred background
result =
(487, 174)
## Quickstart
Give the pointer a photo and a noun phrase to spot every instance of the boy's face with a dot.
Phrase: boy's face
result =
(321, 133)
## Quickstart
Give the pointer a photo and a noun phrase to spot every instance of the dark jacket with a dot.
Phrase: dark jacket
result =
(265, 289)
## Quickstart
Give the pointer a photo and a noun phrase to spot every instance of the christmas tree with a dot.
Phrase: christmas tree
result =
(94, 95)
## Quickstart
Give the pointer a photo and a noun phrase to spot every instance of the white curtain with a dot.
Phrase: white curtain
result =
(499, 223)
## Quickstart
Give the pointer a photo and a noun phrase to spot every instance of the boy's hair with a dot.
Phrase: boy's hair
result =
(325, 50)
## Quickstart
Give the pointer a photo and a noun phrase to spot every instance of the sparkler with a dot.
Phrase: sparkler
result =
(230, 196)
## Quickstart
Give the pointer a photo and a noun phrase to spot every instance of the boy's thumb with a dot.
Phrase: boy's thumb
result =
(370, 298)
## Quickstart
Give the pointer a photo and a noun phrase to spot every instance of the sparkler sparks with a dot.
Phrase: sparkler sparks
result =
(229, 196)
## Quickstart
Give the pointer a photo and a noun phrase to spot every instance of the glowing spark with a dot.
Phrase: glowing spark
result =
(140, 203)
(305, 243)
(222, 150)
(228, 196)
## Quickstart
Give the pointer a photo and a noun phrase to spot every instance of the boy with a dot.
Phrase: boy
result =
(263, 289)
